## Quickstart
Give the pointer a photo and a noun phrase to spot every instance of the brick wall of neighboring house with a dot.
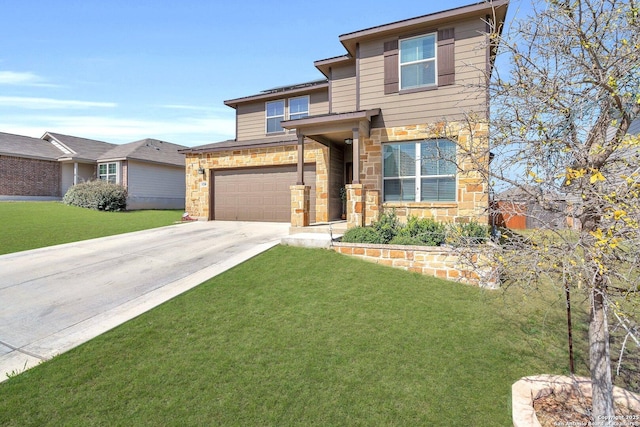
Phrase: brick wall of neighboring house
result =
(472, 189)
(29, 177)
(473, 265)
(197, 195)
(125, 174)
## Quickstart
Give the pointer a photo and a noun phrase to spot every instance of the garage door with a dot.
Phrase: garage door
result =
(258, 194)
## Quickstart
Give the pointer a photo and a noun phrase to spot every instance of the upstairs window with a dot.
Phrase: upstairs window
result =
(108, 172)
(275, 114)
(277, 111)
(298, 107)
(422, 171)
(418, 62)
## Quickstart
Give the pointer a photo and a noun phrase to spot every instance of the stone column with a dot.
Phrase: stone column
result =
(300, 205)
(355, 205)
(371, 206)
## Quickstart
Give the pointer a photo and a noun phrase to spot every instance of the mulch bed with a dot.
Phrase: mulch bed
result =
(573, 409)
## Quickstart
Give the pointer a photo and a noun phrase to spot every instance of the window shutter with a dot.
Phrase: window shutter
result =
(391, 77)
(446, 59)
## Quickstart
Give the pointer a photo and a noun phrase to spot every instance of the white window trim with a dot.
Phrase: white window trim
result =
(286, 115)
(417, 176)
(267, 117)
(435, 61)
(117, 173)
(298, 97)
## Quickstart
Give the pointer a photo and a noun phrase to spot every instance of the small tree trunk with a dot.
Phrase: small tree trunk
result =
(600, 359)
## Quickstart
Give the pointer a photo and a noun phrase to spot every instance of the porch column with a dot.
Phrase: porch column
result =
(300, 193)
(300, 159)
(75, 173)
(300, 205)
(356, 156)
(355, 205)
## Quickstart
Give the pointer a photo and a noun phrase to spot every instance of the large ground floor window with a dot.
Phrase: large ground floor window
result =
(420, 171)
(108, 172)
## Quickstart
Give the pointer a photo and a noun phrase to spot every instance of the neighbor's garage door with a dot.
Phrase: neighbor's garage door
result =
(258, 194)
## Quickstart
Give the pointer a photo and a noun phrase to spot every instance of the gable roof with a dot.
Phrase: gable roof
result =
(76, 148)
(496, 8)
(146, 150)
(279, 92)
(25, 146)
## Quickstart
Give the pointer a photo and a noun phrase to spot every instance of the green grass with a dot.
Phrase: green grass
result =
(31, 225)
(304, 337)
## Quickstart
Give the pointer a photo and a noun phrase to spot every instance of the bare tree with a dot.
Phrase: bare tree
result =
(563, 100)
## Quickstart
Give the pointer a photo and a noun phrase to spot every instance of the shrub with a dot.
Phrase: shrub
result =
(97, 195)
(470, 233)
(406, 240)
(387, 227)
(426, 230)
(361, 235)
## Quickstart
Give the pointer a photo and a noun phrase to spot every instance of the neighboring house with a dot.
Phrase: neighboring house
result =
(399, 120)
(152, 170)
(528, 208)
(77, 157)
(28, 167)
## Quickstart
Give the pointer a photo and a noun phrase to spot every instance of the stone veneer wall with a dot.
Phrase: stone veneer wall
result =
(29, 177)
(197, 202)
(473, 155)
(471, 265)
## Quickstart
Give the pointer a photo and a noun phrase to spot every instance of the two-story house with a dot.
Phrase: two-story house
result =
(399, 121)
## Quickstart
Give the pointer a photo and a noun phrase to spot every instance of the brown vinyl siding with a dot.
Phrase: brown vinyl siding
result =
(448, 102)
(343, 89)
(251, 116)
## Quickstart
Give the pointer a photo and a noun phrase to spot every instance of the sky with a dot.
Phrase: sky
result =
(122, 70)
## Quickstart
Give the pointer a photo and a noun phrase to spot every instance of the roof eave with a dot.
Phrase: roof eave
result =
(331, 118)
(239, 145)
(324, 65)
(350, 40)
(233, 103)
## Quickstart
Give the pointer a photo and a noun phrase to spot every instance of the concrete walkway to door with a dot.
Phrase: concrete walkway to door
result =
(56, 298)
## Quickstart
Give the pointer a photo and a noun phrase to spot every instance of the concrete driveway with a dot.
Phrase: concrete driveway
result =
(53, 299)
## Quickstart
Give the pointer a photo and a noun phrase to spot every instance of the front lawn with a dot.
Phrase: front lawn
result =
(304, 337)
(31, 225)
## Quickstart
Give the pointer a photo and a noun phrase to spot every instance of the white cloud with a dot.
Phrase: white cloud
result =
(184, 131)
(31, 103)
(22, 79)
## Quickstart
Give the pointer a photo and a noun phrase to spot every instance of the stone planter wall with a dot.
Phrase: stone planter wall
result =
(473, 265)
(528, 389)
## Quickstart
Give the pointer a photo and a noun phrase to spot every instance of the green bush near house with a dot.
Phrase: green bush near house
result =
(471, 233)
(387, 226)
(361, 235)
(426, 231)
(98, 195)
(417, 231)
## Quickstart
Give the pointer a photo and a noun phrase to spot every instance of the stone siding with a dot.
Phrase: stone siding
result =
(300, 205)
(467, 265)
(29, 177)
(197, 185)
(472, 200)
